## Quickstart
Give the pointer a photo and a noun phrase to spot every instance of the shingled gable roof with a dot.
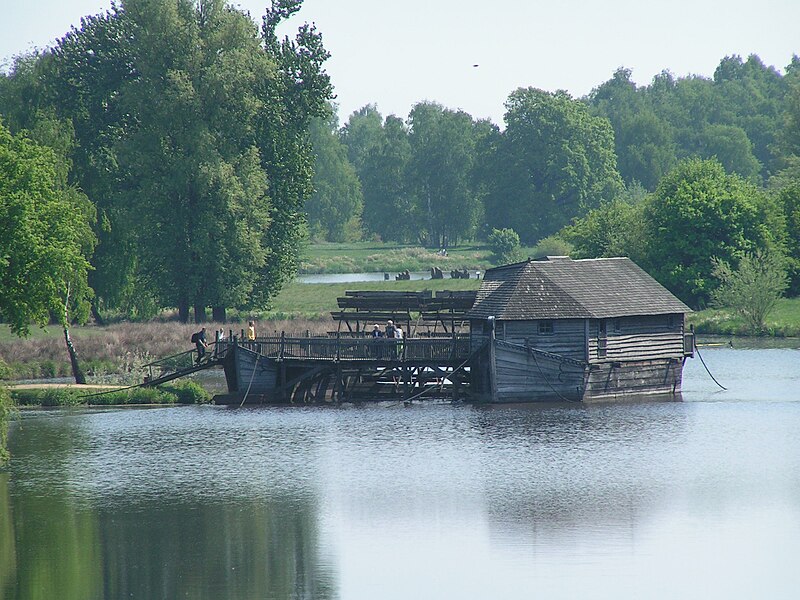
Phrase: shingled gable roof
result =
(562, 288)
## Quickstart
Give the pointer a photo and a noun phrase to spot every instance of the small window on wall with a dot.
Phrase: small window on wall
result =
(545, 327)
(617, 325)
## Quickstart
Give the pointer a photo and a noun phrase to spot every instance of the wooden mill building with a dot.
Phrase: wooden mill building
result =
(559, 328)
(547, 329)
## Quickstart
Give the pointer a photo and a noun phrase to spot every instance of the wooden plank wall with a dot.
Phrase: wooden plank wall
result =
(639, 338)
(611, 380)
(567, 338)
(520, 376)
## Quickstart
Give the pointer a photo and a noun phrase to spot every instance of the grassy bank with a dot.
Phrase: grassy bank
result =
(783, 321)
(183, 392)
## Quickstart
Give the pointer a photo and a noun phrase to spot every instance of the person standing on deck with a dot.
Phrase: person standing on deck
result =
(377, 334)
(220, 335)
(251, 332)
(398, 335)
(201, 344)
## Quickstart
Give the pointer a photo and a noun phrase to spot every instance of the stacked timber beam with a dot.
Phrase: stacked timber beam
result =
(359, 310)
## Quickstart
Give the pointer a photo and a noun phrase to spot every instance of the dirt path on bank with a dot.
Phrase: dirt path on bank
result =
(46, 386)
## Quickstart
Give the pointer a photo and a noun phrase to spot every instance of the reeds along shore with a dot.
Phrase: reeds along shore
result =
(119, 348)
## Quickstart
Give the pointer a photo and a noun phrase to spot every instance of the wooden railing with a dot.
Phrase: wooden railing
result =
(184, 361)
(358, 348)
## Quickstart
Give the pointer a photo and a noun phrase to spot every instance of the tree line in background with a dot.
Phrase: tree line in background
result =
(170, 153)
(178, 130)
(681, 175)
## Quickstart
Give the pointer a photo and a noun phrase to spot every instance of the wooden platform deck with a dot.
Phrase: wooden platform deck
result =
(320, 369)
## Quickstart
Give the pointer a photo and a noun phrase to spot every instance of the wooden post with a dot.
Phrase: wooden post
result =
(338, 388)
(282, 370)
(492, 361)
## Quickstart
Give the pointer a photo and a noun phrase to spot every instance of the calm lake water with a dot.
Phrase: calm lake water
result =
(678, 500)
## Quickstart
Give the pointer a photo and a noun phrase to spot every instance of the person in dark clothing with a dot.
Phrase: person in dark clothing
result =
(377, 335)
(201, 344)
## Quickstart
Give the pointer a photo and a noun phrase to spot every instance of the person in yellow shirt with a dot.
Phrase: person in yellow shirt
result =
(251, 332)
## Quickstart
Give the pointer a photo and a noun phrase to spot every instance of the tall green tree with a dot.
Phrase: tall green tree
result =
(191, 160)
(389, 209)
(82, 79)
(698, 212)
(334, 210)
(643, 142)
(192, 140)
(787, 194)
(362, 135)
(300, 92)
(440, 173)
(555, 162)
(45, 237)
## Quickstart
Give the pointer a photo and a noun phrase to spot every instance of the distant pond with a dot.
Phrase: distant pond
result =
(354, 277)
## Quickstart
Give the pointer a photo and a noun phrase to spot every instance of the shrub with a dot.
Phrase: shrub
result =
(47, 397)
(188, 392)
(505, 246)
(552, 246)
(60, 397)
(48, 369)
(5, 370)
(753, 289)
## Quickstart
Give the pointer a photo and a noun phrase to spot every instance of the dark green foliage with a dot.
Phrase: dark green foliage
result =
(439, 174)
(334, 210)
(644, 143)
(45, 236)
(389, 210)
(736, 117)
(187, 392)
(554, 161)
(787, 195)
(614, 229)
(698, 213)
(191, 132)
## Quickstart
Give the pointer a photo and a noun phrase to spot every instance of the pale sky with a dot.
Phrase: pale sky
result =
(395, 54)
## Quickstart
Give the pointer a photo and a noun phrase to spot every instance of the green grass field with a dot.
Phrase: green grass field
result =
(783, 321)
(376, 257)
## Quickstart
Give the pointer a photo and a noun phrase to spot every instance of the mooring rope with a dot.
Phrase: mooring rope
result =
(541, 372)
(700, 356)
(252, 376)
